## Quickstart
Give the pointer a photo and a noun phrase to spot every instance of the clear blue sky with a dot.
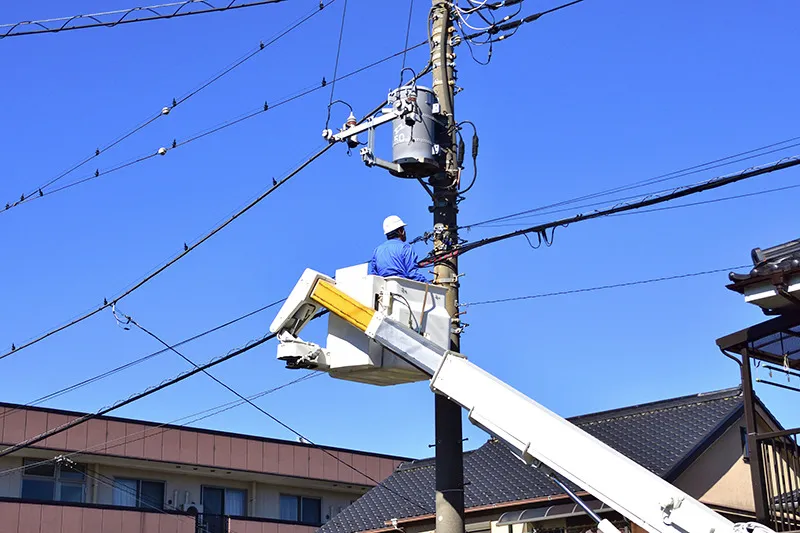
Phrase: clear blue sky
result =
(598, 95)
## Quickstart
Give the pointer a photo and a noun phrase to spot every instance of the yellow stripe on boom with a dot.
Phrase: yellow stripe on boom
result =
(342, 305)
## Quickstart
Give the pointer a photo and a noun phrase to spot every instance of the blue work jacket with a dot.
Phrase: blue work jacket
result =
(395, 258)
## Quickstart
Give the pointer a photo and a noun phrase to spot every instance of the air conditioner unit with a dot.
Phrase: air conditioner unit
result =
(191, 508)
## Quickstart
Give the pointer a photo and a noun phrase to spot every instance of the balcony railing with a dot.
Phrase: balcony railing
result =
(779, 457)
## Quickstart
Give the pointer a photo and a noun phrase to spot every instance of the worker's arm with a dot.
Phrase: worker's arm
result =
(373, 269)
(410, 261)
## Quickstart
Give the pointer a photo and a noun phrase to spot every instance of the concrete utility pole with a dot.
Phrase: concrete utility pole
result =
(449, 450)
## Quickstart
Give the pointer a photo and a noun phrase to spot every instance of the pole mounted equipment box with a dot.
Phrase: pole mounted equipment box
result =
(415, 144)
(417, 126)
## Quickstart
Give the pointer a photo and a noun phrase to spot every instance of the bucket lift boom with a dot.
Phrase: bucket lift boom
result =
(536, 435)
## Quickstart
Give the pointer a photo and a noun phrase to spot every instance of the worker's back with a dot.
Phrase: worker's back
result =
(395, 258)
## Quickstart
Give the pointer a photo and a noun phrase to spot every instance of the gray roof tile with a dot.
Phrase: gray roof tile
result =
(662, 436)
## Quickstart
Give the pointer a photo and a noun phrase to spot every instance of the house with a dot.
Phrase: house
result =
(695, 442)
(119, 475)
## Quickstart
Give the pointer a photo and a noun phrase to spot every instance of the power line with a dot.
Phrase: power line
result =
(267, 413)
(188, 248)
(655, 209)
(163, 385)
(138, 361)
(603, 287)
(205, 133)
(695, 169)
(110, 19)
(148, 432)
(175, 103)
(648, 201)
(204, 369)
(514, 25)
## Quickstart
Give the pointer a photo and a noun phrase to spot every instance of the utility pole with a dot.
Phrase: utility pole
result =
(449, 449)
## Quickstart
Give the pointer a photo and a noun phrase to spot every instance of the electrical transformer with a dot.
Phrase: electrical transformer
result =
(415, 136)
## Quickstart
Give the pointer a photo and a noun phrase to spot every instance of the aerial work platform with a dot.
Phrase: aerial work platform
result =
(414, 348)
(350, 354)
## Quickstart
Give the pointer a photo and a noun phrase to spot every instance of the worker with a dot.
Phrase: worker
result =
(394, 257)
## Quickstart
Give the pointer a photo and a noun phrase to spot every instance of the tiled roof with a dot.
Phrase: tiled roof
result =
(663, 436)
(781, 259)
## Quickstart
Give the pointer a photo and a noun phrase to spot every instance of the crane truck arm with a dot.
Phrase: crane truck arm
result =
(535, 434)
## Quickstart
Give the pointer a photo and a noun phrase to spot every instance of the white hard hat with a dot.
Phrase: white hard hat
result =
(392, 223)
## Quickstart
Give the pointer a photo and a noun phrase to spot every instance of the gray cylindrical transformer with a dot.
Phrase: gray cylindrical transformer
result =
(415, 136)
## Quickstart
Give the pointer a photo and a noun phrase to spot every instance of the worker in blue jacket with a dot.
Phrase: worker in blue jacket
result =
(394, 257)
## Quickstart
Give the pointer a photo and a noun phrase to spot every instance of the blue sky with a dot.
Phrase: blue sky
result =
(599, 95)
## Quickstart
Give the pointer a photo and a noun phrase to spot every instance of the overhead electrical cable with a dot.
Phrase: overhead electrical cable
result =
(135, 362)
(515, 24)
(264, 411)
(688, 171)
(336, 63)
(152, 390)
(603, 287)
(41, 189)
(204, 369)
(189, 248)
(160, 429)
(186, 250)
(35, 193)
(680, 192)
(110, 19)
(642, 211)
(205, 133)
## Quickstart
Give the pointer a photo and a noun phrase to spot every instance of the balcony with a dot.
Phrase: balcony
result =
(779, 456)
(26, 517)
(18, 517)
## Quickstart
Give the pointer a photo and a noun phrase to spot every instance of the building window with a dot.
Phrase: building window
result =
(139, 493)
(224, 502)
(301, 509)
(48, 481)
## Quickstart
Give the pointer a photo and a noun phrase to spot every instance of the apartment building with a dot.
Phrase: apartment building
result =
(132, 476)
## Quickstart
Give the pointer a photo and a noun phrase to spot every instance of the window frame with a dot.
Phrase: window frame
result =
(224, 496)
(138, 496)
(300, 499)
(56, 480)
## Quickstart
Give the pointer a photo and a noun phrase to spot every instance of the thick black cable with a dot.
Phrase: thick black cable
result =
(138, 361)
(706, 202)
(205, 237)
(268, 414)
(163, 385)
(96, 19)
(642, 211)
(680, 206)
(677, 193)
(688, 171)
(166, 110)
(187, 248)
(603, 287)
